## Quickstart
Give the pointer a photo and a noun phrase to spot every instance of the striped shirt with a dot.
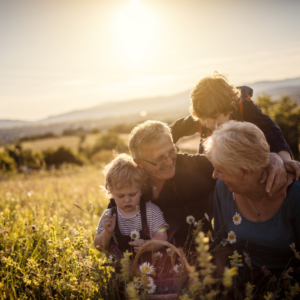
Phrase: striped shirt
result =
(155, 220)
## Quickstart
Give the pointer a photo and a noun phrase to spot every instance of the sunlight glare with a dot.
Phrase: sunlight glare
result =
(135, 28)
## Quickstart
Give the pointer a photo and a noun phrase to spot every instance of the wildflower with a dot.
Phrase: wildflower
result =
(231, 237)
(265, 270)
(286, 274)
(33, 227)
(294, 290)
(269, 296)
(224, 242)
(190, 220)
(151, 289)
(297, 254)
(195, 224)
(5, 232)
(149, 281)
(227, 276)
(131, 291)
(247, 259)
(248, 291)
(235, 259)
(135, 235)
(206, 216)
(237, 219)
(146, 268)
(112, 259)
(137, 282)
(158, 255)
(169, 251)
(178, 268)
(272, 279)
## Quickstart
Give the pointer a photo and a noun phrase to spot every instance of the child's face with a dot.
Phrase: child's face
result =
(214, 123)
(128, 198)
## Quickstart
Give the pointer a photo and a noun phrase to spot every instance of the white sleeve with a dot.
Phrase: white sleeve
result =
(155, 218)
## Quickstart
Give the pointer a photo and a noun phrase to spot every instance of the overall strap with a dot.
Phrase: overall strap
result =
(145, 228)
(201, 129)
(241, 109)
(114, 210)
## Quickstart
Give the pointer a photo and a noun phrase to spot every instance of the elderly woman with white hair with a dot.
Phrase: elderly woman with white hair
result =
(245, 216)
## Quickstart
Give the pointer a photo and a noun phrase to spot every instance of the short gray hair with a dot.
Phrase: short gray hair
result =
(146, 133)
(238, 145)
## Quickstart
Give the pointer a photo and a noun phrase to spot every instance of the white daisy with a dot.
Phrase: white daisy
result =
(134, 234)
(151, 289)
(237, 219)
(169, 251)
(190, 220)
(178, 268)
(195, 224)
(206, 216)
(149, 282)
(146, 268)
(112, 259)
(158, 255)
(231, 237)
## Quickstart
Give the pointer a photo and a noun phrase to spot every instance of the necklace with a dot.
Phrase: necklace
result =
(257, 213)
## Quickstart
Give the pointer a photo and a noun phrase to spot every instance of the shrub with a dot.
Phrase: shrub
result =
(6, 162)
(109, 141)
(102, 156)
(60, 156)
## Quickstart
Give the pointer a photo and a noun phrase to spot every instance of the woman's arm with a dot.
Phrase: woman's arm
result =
(184, 127)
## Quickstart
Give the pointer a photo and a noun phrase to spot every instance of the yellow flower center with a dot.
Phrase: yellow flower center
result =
(231, 236)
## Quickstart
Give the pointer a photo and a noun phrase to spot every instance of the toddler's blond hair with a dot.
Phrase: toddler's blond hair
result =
(122, 172)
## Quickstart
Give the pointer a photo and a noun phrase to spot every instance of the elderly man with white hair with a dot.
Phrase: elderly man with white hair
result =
(181, 185)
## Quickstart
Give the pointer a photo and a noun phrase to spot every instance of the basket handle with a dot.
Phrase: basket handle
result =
(175, 249)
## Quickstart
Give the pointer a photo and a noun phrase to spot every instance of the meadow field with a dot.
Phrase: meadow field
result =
(46, 242)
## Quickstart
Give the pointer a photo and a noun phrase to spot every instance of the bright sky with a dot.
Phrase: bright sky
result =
(59, 56)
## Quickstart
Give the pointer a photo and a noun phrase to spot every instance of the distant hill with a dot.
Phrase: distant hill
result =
(10, 123)
(133, 111)
(278, 88)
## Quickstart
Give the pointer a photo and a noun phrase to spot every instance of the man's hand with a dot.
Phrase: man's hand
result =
(138, 244)
(109, 223)
(274, 175)
(293, 166)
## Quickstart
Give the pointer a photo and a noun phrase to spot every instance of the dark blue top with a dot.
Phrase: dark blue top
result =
(251, 113)
(266, 242)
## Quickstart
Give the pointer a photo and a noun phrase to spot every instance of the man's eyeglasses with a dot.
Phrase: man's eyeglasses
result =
(162, 160)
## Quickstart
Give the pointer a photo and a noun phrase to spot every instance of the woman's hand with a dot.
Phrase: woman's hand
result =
(109, 223)
(274, 175)
(293, 166)
(137, 244)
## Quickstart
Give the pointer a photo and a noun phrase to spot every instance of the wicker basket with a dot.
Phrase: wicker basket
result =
(173, 296)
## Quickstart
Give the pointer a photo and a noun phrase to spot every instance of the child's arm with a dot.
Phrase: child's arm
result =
(184, 127)
(160, 235)
(102, 239)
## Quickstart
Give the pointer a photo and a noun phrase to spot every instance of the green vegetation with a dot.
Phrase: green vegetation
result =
(286, 114)
(47, 227)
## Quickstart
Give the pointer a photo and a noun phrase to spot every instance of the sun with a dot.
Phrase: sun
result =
(135, 29)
